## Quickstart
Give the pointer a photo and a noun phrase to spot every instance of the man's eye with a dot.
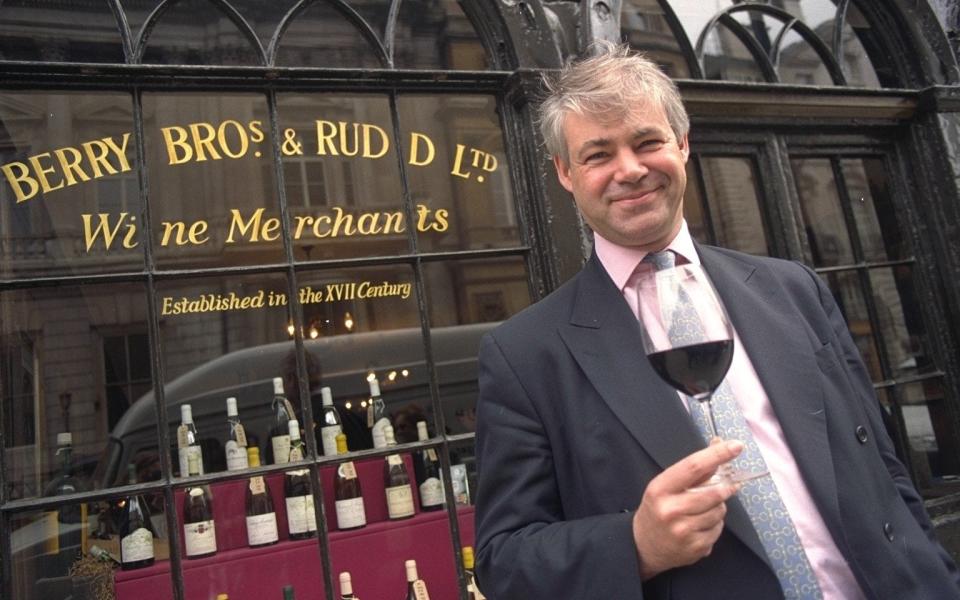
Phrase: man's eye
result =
(595, 157)
(649, 144)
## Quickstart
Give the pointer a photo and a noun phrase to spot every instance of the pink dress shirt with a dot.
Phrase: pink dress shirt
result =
(837, 582)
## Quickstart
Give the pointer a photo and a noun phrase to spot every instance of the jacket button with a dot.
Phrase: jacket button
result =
(888, 531)
(861, 432)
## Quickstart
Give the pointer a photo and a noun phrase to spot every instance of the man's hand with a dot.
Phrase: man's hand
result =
(675, 526)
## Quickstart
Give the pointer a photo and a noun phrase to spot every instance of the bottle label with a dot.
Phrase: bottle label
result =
(431, 492)
(370, 414)
(329, 436)
(183, 437)
(236, 456)
(350, 513)
(300, 515)
(262, 529)
(200, 538)
(420, 590)
(400, 501)
(394, 460)
(184, 454)
(281, 448)
(257, 486)
(295, 454)
(432, 454)
(347, 471)
(240, 434)
(137, 546)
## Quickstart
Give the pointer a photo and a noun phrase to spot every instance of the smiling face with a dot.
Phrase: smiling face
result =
(627, 176)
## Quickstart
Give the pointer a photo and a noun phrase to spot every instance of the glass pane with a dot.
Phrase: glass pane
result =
(465, 292)
(800, 63)
(263, 17)
(458, 173)
(849, 295)
(693, 206)
(762, 27)
(822, 215)
(725, 57)
(694, 16)
(734, 203)
(342, 177)
(53, 344)
(363, 324)
(321, 36)
(437, 35)
(69, 199)
(934, 446)
(645, 27)
(857, 65)
(222, 337)
(55, 31)
(55, 551)
(876, 216)
(208, 156)
(234, 568)
(901, 322)
(196, 32)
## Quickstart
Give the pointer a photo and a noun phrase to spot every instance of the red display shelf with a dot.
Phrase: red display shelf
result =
(374, 555)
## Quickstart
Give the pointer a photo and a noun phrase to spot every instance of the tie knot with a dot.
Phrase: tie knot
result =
(664, 259)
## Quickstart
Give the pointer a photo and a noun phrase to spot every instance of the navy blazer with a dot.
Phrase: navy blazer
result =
(573, 423)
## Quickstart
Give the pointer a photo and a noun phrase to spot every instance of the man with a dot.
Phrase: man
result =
(587, 458)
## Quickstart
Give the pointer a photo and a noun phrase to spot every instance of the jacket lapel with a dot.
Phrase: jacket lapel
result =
(603, 336)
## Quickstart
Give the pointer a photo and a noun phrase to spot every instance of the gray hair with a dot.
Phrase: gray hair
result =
(607, 83)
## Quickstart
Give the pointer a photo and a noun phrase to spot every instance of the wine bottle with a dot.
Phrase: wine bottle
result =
(346, 587)
(136, 531)
(199, 532)
(236, 446)
(288, 592)
(330, 423)
(416, 587)
(396, 482)
(428, 482)
(376, 419)
(346, 490)
(68, 538)
(188, 441)
(282, 413)
(261, 518)
(473, 592)
(301, 520)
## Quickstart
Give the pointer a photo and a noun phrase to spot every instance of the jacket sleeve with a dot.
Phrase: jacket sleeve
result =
(855, 368)
(525, 546)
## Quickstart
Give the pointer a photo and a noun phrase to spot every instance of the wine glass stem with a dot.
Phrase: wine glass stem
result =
(711, 419)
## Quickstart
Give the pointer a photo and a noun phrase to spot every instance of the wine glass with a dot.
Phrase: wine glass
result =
(688, 339)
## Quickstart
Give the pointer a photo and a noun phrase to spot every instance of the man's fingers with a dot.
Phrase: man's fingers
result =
(699, 466)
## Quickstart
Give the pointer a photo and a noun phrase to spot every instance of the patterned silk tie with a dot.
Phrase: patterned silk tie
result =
(759, 496)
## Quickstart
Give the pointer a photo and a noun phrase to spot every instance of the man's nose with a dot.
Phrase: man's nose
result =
(630, 168)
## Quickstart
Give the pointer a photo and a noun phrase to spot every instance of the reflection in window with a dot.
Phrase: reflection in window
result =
(734, 203)
(934, 447)
(726, 57)
(476, 291)
(436, 35)
(875, 215)
(900, 321)
(322, 36)
(198, 32)
(645, 27)
(57, 31)
(126, 365)
(849, 295)
(18, 379)
(822, 213)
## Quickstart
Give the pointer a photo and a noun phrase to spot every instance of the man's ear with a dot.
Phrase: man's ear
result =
(563, 173)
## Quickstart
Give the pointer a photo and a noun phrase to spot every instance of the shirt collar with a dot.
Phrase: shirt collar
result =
(621, 262)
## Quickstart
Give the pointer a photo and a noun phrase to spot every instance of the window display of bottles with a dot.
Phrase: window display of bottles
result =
(199, 528)
(396, 482)
(428, 473)
(188, 441)
(330, 423)
(473, 591)
(298, 491)
(261, 520)
(236, 444)
(63, 528)
(136, 531)
(346, 488)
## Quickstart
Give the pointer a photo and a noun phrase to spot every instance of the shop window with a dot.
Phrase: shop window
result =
(126, 365)
(325, 36)
(19, 381)
(734, 203)
(441, 37)
(53, 31)
(198, 32)
(645, 24)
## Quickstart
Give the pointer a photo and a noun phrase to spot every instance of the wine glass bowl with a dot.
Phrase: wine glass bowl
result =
(688, 339)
